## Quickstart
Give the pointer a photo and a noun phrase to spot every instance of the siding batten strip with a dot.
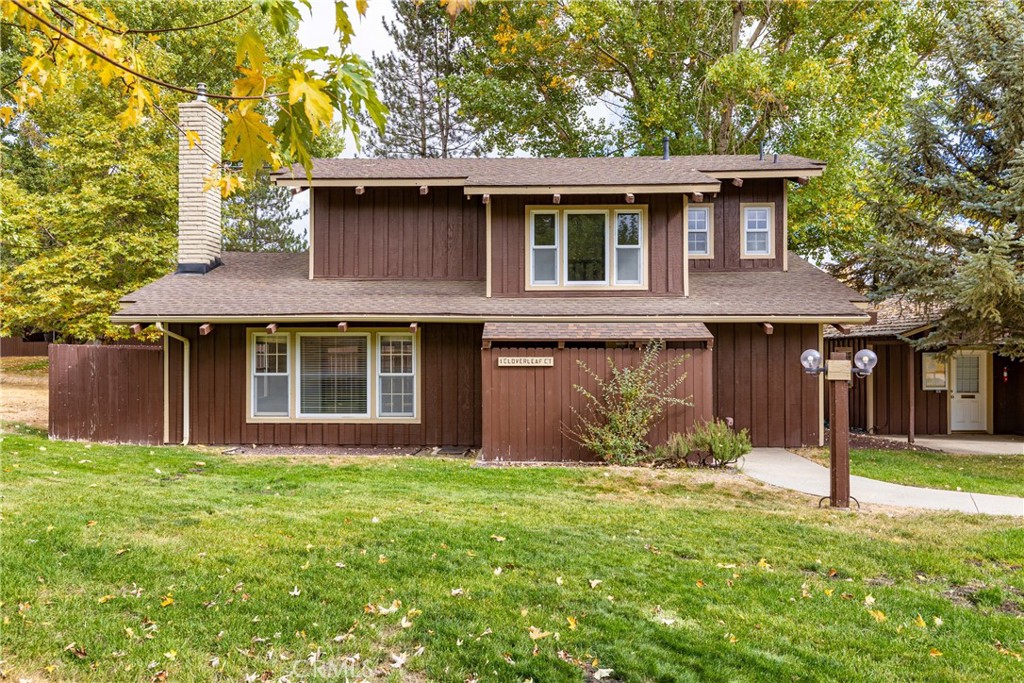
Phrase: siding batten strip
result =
(487, 209)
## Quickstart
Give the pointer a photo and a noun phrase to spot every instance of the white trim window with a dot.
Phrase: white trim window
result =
(757, 231)
(334, 375)
(396, 375)
(628, 248)
(698, 230)
(271, 379)
(586, 247)
(544, 231)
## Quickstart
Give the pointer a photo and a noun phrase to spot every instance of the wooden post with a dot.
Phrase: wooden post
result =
(911, 408)
(839, 444)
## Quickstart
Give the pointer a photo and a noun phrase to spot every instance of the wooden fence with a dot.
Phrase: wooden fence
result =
(106, 393)
(15, 346)
(526, 410)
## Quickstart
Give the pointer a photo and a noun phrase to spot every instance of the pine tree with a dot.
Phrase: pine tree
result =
(950, 186)
(425, 120)
(259, 218)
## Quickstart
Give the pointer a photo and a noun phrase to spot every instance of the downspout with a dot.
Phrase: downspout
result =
(184, 386)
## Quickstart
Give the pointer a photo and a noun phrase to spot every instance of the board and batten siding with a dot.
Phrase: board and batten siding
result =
(760, 384)
(450, 385)
(527, 409)
(397, 233)
(728, 226)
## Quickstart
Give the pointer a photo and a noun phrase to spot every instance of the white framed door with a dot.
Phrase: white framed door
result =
(968, 396)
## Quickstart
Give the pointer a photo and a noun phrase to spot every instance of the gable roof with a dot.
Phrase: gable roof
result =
(483, 175)
(277, 288)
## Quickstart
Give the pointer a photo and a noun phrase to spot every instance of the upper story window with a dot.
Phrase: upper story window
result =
(700, 230)
(587, 247)
(758, 231)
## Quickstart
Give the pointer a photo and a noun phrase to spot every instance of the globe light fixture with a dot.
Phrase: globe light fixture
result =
(865, 361)
(811, 360)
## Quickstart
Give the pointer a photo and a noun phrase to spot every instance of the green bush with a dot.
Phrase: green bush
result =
(673, 453)
(718, 443)
(624, 407)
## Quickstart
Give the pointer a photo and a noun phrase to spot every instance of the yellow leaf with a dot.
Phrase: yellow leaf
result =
(456, 7)
(192, 137)
(763, 564)
(935, 652)
(572, 623)
(919, 622)
(166, 600)
(537, 634)
(250, 45)
(700, 584)
(248, 138)
(314, 100)
(499, 539)
(6, 114)
(106, 598)
(361, 6)
(878, 614)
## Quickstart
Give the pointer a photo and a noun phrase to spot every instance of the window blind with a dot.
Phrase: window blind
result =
(333, 375)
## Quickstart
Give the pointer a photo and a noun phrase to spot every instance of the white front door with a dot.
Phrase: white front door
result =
(968, 400)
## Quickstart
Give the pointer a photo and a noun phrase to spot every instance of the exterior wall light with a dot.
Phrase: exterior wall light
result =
(840, 372)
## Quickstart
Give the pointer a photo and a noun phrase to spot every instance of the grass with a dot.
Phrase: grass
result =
(998, 474)
(139, 564)
(32, 366)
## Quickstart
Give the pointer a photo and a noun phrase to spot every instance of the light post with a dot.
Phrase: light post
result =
(840, 371)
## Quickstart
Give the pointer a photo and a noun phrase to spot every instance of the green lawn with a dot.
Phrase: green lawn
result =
(998, 474)
(119, 563)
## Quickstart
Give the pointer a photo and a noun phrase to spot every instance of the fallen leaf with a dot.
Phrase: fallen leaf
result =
(869, 600)
(559, 580)
(91, 522)
(594, 583)
(537, 634)
(171, 654)
(602, 674)
(878, 614)
(398, 661)
(935, 652)
(572, 623)
(497, 571)
(919, 622)
(499, 539)
(106, 598)
(167, 600)
(456, 592)
(381, 559)
(937, 621)
(295, 592)
(700, 583)
(763, 564)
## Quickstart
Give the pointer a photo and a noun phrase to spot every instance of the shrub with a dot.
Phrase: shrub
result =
(718, 443)
(619, 413)
(673, 453)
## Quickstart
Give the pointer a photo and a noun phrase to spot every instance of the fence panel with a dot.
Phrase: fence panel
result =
(14, 346)
(106, 393)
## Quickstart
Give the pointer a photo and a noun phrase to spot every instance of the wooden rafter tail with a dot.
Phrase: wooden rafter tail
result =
(271, 328)
(768, 328)
(737, 182)
(697, 197)
(424, 189)
(486, 199)
(630, 198)
(414, 327)
(360, 189)
(556, 199)
(137, 328)
(342, 327)
(205, 329)
(802, 180)
(843, 329)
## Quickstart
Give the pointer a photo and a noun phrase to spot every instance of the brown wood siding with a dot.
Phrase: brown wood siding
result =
(450, 405)
(729, 225)
(526, 409)
(1007, 396)
(397, 233)
(759, 383)
(15, 346)
(858, 388)
(892, 398)
(106, 393)
(664, 249)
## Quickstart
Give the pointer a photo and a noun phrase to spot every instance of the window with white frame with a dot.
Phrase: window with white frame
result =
(270, 376)
(757, 230)
(544, 247)
(396, 376)
(698, 230)
(313, 375)
(334, 375)
(628, 253)
(586, 247)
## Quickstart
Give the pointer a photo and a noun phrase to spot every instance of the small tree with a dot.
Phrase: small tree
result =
(624, 407)
(260, 217)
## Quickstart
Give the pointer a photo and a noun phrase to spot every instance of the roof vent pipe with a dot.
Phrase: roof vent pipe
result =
(760, 151)
(775, 158)
(664, 147)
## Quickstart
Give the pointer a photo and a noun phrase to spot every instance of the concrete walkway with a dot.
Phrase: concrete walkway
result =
(779, 467)
(969, 444)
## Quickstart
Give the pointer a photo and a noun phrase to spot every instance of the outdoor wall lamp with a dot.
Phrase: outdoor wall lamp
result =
(839, 371)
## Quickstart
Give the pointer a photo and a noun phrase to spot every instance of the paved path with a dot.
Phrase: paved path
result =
(779, 467)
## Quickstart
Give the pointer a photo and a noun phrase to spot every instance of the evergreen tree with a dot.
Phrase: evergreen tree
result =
(950, 185)
(425, 119)
(259, 218)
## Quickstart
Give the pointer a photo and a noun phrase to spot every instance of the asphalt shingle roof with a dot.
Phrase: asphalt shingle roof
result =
(589, 171)
(268, 286)
(896, 316)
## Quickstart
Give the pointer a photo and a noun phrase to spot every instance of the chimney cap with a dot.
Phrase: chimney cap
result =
(201, 89)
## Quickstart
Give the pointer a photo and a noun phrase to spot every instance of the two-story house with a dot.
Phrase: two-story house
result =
(449, 302)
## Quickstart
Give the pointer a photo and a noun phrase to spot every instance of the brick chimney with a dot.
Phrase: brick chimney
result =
(199, 233)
